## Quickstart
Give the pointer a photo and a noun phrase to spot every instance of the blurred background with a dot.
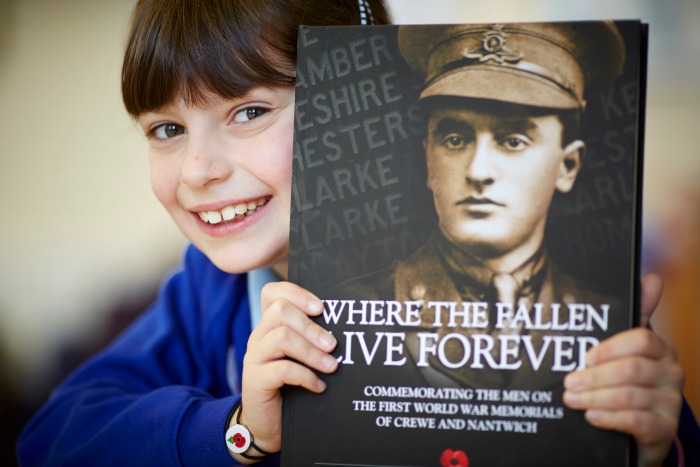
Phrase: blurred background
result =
(84, 244)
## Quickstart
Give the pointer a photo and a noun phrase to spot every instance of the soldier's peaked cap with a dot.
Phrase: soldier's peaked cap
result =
(538, 64)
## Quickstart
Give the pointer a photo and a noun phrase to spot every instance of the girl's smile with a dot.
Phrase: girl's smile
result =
(232, 212)
(231, 219)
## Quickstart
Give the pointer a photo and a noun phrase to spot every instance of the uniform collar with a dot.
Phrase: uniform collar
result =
(474, 279)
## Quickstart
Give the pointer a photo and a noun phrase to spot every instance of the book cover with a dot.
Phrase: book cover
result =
(466, 200)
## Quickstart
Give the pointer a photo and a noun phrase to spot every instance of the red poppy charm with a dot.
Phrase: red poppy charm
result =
(452, 458)
(237, 439)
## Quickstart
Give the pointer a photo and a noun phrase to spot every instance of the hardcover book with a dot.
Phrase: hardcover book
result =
(466, 200)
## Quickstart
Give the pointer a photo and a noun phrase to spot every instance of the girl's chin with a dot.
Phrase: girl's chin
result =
(239, 260)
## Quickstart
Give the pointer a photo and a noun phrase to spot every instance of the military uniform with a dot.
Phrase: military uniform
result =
(552, 66)
(436, 272)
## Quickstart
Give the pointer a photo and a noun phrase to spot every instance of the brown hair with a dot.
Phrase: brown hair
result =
(190, 48)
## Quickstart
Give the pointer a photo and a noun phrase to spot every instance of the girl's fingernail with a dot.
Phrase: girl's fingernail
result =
(315, 306)
(329, 362)
(590, 359)
(327, 340)
(594, 416)
(572, 398)
(572, 381)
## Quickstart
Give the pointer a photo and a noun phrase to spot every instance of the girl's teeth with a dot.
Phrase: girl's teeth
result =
(228, 213)
(214, 217)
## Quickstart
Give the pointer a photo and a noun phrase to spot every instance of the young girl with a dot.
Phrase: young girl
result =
(212, 86)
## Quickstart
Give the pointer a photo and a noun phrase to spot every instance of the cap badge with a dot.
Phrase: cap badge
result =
(493, 47)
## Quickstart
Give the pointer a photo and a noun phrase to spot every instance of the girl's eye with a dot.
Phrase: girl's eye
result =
(166, 131)
(248, 114)
(515, 142)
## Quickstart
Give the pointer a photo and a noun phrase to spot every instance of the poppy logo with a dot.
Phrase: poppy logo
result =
(454, 458)
(238, 439)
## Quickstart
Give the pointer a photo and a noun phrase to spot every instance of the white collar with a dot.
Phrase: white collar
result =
(257, 278)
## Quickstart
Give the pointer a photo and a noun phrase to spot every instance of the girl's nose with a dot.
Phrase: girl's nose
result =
(205, 162)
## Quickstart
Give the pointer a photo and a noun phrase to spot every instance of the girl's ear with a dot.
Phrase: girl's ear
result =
(570, 165)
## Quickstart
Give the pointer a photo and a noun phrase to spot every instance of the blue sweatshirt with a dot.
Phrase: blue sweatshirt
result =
(162, 392)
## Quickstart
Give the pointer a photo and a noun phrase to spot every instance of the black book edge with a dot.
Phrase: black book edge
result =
(639, 190)
(294, 276)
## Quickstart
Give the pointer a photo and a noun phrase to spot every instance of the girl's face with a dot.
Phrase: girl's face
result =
(223, 171)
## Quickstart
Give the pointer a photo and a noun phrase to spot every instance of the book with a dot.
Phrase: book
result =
(466, 199)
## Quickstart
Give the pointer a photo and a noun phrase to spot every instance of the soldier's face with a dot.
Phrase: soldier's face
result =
(493, 175)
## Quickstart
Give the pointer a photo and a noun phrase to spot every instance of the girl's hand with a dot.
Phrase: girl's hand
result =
(284, 348)
(633, 383)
